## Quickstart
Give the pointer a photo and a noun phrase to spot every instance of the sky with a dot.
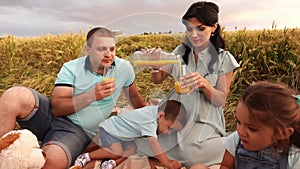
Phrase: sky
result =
(26, 18)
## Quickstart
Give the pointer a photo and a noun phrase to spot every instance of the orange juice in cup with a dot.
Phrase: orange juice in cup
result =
(179, 89)
(109, 73)
(178, 82)
(109, 79)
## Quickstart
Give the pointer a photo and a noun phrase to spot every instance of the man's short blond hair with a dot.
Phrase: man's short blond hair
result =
(98, 31)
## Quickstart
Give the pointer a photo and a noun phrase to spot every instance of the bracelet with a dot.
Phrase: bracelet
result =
(154, 70)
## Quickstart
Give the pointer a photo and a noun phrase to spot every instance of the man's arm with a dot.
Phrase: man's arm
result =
(134, 96)
(64, 103)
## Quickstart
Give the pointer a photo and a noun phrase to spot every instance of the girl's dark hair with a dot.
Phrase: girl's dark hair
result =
(273, 104)
(207, 14)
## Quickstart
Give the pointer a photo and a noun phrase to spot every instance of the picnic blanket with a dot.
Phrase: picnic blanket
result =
(132, 162)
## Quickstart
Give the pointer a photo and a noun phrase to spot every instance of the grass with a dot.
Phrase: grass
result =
(263, 55)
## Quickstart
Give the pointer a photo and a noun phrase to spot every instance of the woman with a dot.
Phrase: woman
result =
(200, 141)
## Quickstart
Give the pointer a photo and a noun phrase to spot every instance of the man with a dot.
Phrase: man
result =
(80, 100)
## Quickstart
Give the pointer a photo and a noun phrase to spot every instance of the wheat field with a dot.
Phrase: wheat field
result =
(263, 55)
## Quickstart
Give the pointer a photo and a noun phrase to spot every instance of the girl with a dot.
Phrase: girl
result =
(268, 130)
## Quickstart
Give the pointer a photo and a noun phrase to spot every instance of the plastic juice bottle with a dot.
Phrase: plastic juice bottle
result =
(144, 59)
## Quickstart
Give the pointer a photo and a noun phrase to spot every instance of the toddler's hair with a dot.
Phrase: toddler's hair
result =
(174, 110)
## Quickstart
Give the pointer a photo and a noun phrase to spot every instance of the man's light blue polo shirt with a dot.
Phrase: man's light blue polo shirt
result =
(76, 74)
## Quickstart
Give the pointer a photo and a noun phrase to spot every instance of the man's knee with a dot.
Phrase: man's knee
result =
(55, 157)
(19, 100)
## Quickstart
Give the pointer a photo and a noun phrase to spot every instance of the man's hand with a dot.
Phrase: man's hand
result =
(104, 89)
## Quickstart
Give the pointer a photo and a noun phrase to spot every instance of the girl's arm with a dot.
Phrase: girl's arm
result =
(228, 161)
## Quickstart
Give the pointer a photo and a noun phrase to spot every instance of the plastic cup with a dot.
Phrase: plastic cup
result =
(179, 89)
(178, 81)
(109, 73)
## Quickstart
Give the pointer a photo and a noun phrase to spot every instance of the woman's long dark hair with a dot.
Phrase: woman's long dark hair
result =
(206, 13)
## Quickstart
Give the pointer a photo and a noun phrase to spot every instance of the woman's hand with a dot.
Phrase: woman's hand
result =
(194, 81)
(216, 94)
(159, 72)
(154, 54)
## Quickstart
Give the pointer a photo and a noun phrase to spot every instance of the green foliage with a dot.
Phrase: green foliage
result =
(263, 55)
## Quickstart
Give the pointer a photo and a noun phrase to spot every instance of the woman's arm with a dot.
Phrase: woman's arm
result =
(218, 94)
(159, 74)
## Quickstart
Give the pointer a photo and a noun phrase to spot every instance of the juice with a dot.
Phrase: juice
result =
(179, 90)
(155, 62)
(145, 59)
(109, 79)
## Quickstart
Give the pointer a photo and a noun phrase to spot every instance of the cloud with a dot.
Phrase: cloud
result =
(260, 15)
(36, 17)
(55, 16)
(147, 22)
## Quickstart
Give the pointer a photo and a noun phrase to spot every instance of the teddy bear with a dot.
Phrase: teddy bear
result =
(20, 149)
